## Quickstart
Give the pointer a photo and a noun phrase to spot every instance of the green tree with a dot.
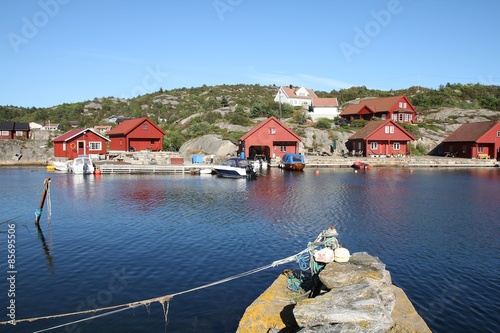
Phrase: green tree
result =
(323, 123)
(224, 102)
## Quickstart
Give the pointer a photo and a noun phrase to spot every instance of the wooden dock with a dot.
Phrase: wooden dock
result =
(143, 169)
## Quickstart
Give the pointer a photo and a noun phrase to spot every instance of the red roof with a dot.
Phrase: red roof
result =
(127, 126)
(292, 93)
(377, 105)
(470, 132)
(325, 102)
(73, 133)
(373, 126)
(262, 124)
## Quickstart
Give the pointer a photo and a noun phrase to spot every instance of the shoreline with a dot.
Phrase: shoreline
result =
(419, 162)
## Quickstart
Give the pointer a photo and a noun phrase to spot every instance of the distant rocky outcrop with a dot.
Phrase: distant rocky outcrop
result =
(359, 297)
(25, 152)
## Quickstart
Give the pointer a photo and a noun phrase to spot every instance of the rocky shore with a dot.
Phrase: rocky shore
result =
(37, 152)
(359, 297)
(25, 152)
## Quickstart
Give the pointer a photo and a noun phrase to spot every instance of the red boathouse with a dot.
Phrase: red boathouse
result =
(79, 142)
(136, 135)
(270, 138)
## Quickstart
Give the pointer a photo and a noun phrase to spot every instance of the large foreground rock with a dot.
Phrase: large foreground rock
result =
(360, 297)
(208, 145)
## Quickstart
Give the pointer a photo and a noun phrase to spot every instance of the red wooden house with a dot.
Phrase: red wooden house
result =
(396, 108)
(14, 130)
(474, 140)
(79, 142)
(381, 138)
(270, 138)
(135, 135)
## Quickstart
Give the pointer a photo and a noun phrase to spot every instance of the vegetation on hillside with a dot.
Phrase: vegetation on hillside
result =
(186, 113)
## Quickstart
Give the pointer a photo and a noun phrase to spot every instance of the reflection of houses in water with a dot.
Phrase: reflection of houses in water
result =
(150, 195)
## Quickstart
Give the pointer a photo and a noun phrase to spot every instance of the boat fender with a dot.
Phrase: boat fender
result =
(342, 254)
(330, 232)
(325, 255)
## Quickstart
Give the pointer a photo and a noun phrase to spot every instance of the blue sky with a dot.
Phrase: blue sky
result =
(65, 51)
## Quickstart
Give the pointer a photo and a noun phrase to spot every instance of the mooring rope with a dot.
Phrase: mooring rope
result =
(147, 302)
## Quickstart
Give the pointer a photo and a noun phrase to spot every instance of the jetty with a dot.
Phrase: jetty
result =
(404, 162)
(114, 168)
(132, 167)
(340, 293)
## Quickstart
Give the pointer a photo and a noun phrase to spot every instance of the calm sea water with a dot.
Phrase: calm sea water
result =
(114, 239)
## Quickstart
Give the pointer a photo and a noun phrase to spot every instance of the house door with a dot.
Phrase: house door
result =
(80, 148)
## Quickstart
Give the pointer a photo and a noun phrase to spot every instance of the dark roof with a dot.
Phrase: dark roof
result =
(119, 120)
(6, 125)
(22, 126)
(470, 132)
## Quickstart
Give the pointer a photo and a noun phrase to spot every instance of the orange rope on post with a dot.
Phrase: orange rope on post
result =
(38, 212)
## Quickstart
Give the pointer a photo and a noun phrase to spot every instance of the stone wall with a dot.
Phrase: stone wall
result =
(358, 296)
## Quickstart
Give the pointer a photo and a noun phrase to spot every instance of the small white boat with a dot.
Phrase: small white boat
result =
(61, 166)
(260, 162)
(82, 165)
(235, 168)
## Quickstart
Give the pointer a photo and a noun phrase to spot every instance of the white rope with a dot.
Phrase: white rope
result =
(147, 302)
(82, 320)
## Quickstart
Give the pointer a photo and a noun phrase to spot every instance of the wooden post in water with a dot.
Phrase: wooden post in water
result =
(38, 212)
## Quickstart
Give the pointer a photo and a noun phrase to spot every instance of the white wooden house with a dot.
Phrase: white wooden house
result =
(307, 98)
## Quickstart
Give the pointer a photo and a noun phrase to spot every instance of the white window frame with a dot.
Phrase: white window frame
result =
(272, 131)
(283, 148)
(95, 145)
(5, 133)
(396, 146)
(374, 145)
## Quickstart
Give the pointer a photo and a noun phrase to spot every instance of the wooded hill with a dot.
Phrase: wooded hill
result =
(186, 113)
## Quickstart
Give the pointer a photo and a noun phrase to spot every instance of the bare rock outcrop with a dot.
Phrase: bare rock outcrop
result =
(359, 297)
(21, 152)
(208, 145)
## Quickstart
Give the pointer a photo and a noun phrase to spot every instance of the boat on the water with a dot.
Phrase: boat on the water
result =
(82, 165)
(293, 162)
(358, 165)
(60, 165)
(235, 168)
(260, 162)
